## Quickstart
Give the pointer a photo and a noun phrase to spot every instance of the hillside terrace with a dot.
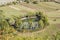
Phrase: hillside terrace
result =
(3, 2)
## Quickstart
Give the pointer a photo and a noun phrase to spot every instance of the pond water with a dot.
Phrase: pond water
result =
(29, 25)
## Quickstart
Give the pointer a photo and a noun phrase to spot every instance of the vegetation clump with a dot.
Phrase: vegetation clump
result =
(28, 23)
(35, 2)
(27, 1)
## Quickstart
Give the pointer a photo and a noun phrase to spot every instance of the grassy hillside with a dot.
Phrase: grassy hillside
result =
(50, 9)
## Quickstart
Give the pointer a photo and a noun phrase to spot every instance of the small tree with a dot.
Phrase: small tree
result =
(35, 2)
(27, 1)
(8, 3)
(43, 21)
(1, 11)
(41, 24)
(2, 5)
(14, 3)
(1, 14)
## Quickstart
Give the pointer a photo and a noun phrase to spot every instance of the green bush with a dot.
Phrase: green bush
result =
(14, 3)
(45, 20)
(27, 1)
(29, 23)
(57, 36)
(4, 26)
(35, 2)
(2, 5)
(41, 24)
(8, 3)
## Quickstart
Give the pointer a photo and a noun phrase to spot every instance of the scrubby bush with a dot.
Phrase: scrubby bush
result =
(27, 1)
(29, 23)
(1, 11)
(4, 26)
(8, 3)
(43, 20)
(45, 0)
(35, 2)
(14, 3)
(54, 20)
(20, 24)
(58, 36)
(41, 24)
(2, 5)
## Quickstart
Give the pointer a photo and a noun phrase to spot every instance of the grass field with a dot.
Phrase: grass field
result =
(50, 9)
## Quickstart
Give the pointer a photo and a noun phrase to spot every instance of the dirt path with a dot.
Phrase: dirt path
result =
(23, 7)
(14, 8)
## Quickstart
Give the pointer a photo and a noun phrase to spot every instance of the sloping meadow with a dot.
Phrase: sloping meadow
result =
(14, 19)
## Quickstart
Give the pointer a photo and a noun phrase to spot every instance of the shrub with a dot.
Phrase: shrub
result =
(1, 12)
(2, 5)
(8, 3)
(54, 20)
(45, 20)
(45, 0)
(34, 2)
(14, 3)
(41, 24)
(5, 26)
(27, 1)
(57, 37)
